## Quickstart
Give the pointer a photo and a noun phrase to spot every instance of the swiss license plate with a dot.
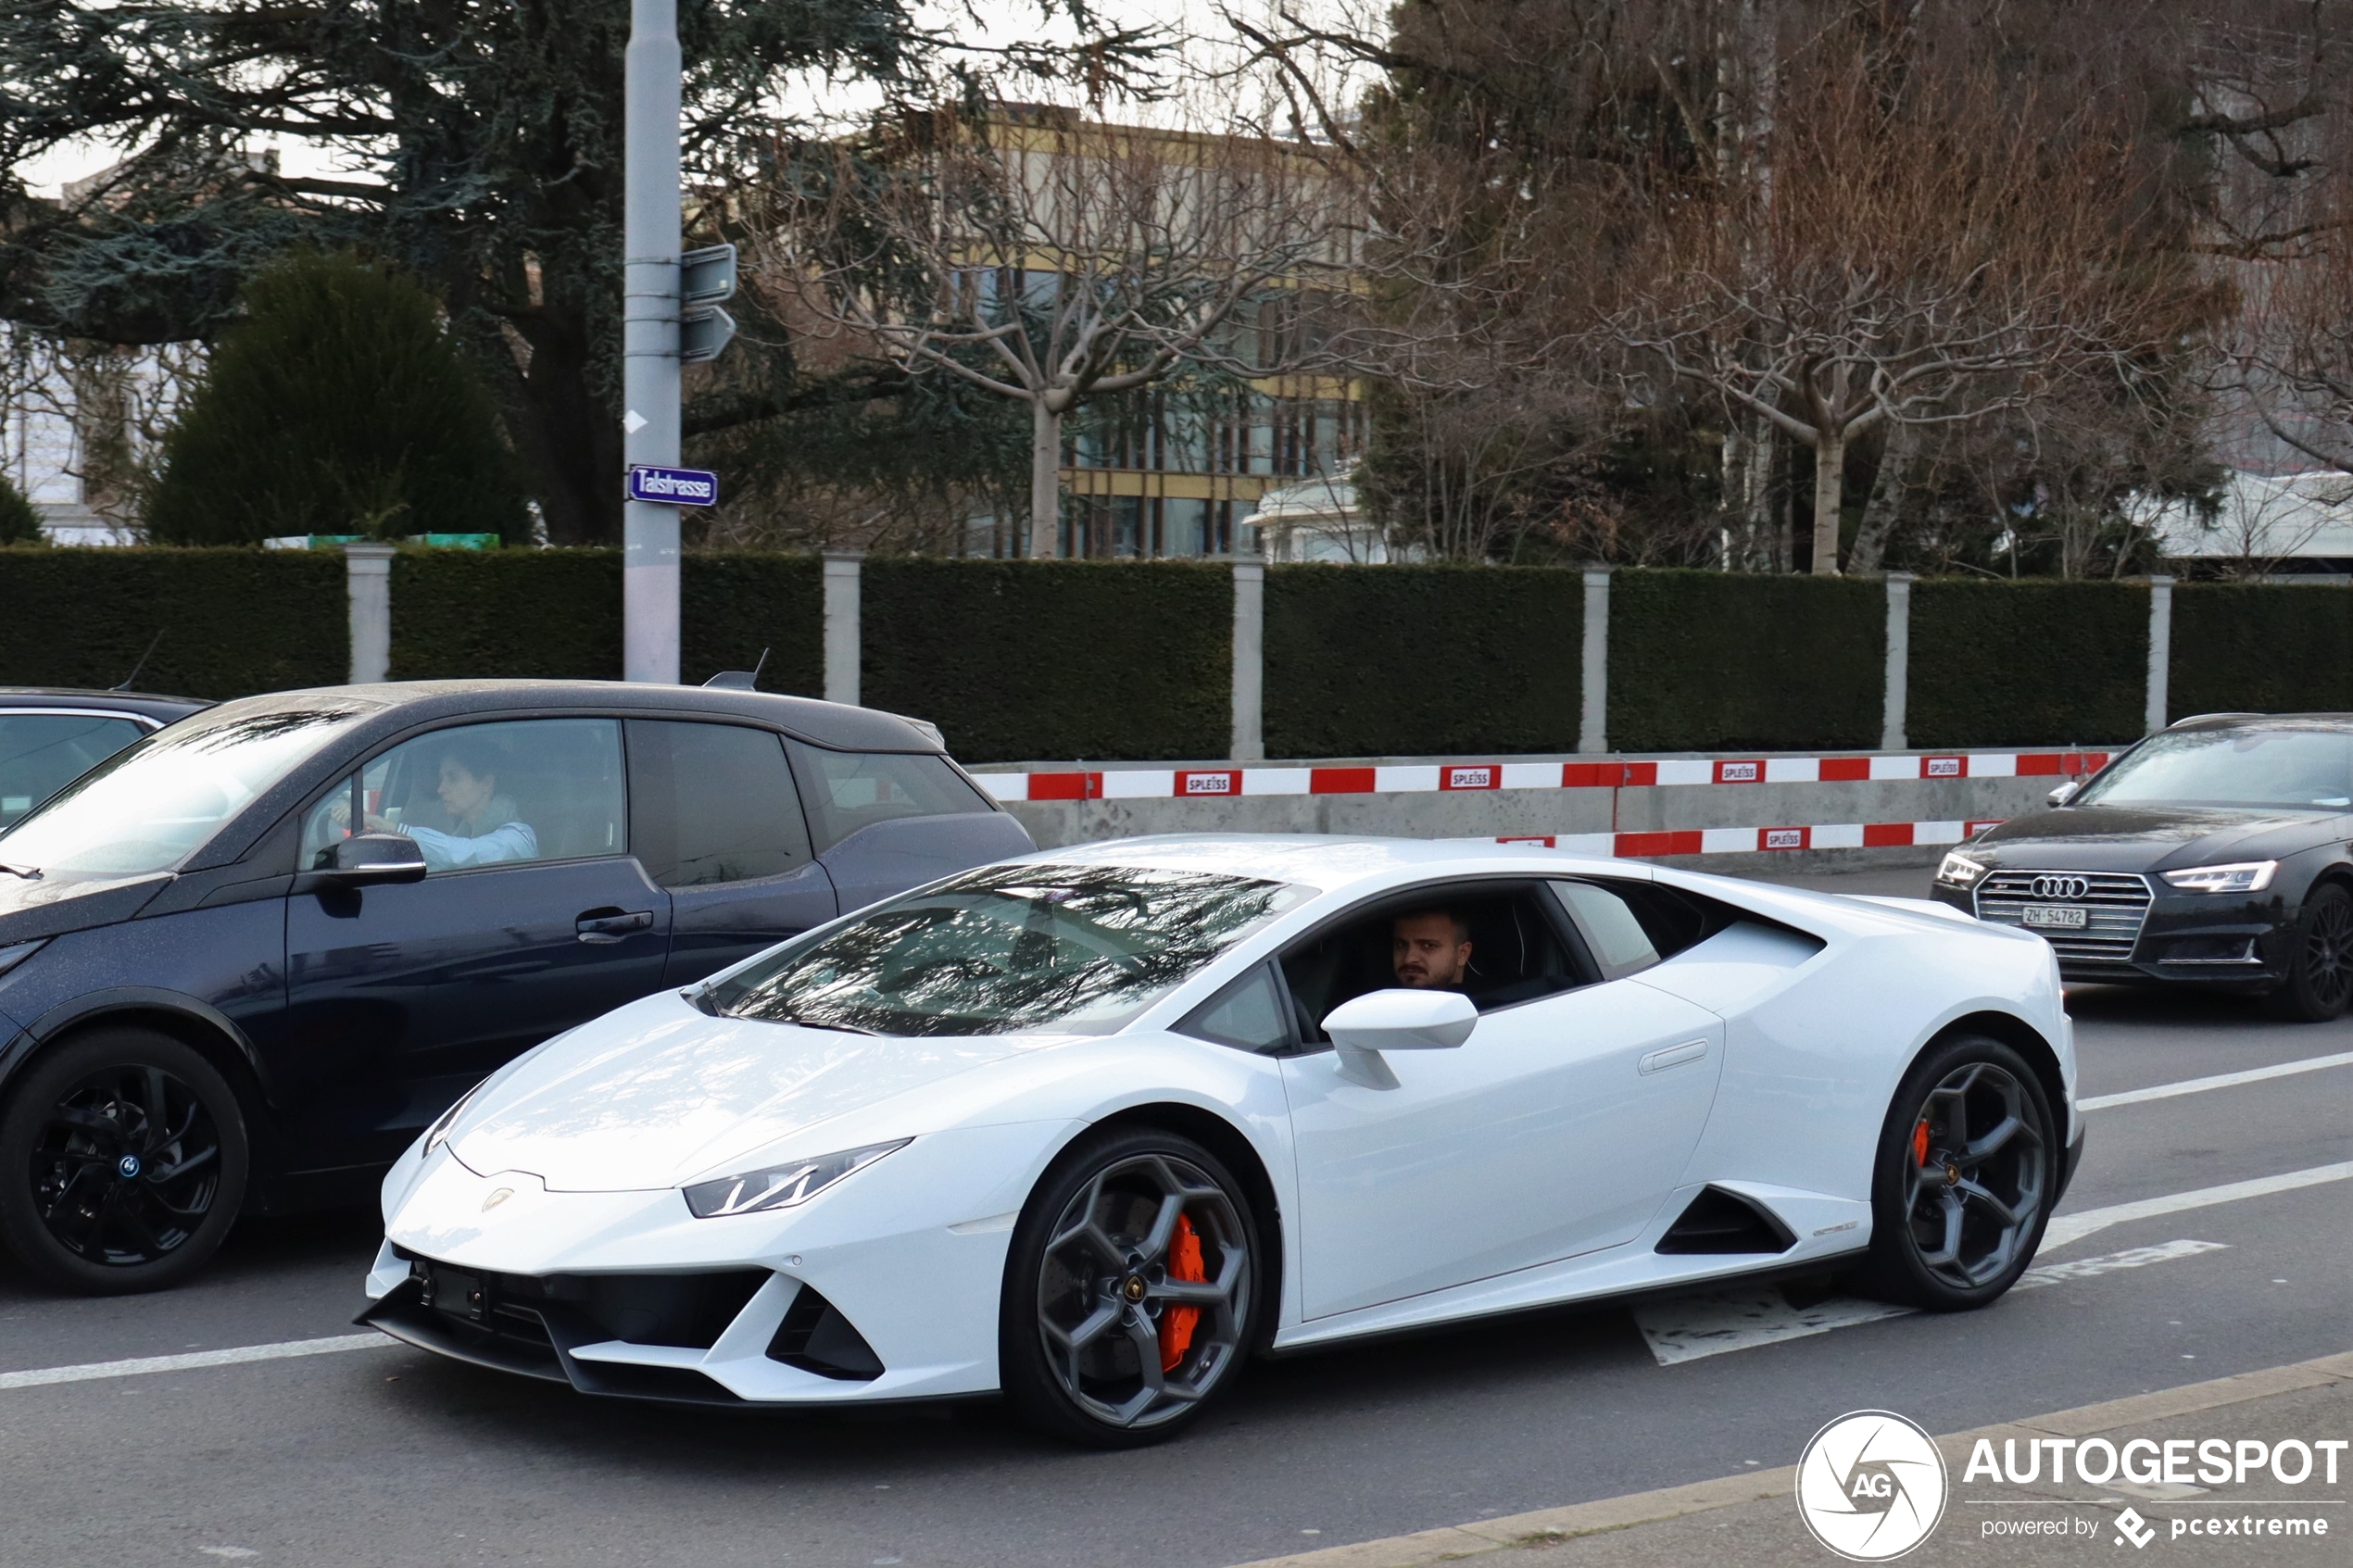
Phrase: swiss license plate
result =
(2056, 917)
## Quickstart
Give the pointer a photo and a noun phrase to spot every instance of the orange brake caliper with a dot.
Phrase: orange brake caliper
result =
(1177, 1323)
(1920, 1143)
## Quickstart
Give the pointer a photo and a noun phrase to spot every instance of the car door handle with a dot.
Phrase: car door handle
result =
(612, 926)
(1673, 1055)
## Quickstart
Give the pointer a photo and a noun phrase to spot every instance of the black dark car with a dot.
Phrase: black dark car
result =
(51, 736)
(2216, 853)
(243, 962)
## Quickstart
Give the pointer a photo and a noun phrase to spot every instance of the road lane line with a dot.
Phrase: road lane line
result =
(92, 1371)
(2065, 1230)
(2220, 1081)
(1689, 1327)
(1686, 1328)
(2131, 1258)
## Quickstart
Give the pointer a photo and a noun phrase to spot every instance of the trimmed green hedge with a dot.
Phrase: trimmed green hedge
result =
(735, 603)
(555, 614)
(1707, 660)
(1058, 659)
(1406, 660)
(233, 622)
(2265, 648)
(2027, 663)
(1120, 661)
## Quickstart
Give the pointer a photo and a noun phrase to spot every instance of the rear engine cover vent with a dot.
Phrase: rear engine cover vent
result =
(1724, 1221)
(815, 1337)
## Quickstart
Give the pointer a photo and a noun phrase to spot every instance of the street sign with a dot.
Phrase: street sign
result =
(707, 275)
(673, 487)
(702, 332)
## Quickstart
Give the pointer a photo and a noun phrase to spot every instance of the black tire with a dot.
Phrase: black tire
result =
(1087, 1293)
(124, 1160)
(2320, 977)
(1954, 1231)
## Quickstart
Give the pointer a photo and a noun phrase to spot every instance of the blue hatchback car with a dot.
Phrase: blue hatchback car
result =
(246, 960)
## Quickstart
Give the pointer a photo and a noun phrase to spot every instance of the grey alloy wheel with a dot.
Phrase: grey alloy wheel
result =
(1132, 1290)
(1974, 1188)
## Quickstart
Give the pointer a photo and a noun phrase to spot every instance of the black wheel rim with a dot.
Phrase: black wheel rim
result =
(1111, 1291)
(1973, 1172)
(125, 1166)
(2328, 953)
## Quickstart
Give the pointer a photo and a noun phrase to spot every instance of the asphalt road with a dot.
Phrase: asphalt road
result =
(390, 1456)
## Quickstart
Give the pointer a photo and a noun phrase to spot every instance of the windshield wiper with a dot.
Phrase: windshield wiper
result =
(812, 1023)
(31, 873)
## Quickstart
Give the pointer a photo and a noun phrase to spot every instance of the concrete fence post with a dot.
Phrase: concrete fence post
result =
(842, 626)
(1892, 713)
(1249, 743)
(367, 580)
(2160, 652)
(1592, 729)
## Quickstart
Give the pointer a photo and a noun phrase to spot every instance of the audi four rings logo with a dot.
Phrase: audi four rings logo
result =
(2062, 886)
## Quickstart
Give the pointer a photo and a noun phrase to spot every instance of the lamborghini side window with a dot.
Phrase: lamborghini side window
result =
(1248, 1013)
(1631, 926)
(1496, 944)
(1612, 931)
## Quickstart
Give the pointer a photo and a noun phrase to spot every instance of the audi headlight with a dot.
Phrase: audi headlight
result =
(781, 1186)
(1959, 870)
(2245, 876)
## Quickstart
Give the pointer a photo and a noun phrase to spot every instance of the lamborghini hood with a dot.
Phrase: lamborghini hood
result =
(659, 1092)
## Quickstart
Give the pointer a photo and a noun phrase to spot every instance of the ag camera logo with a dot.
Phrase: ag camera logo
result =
(1871, 1486)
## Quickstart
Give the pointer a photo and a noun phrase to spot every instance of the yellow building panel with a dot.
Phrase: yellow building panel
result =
(1181, 486)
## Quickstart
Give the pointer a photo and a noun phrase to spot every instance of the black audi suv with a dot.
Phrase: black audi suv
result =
(245, 961)
(2218, 853)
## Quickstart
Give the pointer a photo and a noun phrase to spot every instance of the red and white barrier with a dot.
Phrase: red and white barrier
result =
(1412, 778)
(1751, 840)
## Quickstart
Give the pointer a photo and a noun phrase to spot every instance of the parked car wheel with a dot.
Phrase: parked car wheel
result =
(1131, 1293)
(122, 1164)
(2320, 977)
(1967, 1164)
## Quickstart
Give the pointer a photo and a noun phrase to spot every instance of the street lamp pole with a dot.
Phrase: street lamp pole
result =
(649, 337)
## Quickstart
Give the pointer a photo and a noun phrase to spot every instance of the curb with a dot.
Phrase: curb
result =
(1458, 1541)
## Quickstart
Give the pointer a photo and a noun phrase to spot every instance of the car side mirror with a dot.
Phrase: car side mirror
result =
(2064, 794)
(368, 858)
(1396, 1020)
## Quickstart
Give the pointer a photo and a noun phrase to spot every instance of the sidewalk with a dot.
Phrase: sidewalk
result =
(1752, 1520)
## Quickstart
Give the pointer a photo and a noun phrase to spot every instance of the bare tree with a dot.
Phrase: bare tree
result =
(1926, 251)
(1050, 258)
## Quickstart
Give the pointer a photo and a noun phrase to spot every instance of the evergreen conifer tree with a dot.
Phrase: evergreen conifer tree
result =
(337, 406)
(19, 525)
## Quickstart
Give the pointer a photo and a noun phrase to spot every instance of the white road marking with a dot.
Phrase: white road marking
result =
(92, 1371)
(2066, 1230)
(2131, 1258)
(2220, 1081)
(1687, 1328)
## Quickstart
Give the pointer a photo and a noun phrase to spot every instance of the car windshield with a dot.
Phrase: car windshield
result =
(149, 806)
(2270, 766)
(1063, 950)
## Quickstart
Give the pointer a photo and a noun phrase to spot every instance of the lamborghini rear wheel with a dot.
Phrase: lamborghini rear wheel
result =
(1968, 1165)
(1131, 1290)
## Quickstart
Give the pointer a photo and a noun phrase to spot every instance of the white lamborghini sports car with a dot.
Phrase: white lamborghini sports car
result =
(1092, 1127)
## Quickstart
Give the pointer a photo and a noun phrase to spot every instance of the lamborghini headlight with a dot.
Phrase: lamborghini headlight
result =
(2245, 876)
(781, 1186)
(438, 1134)
(1959, 870)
